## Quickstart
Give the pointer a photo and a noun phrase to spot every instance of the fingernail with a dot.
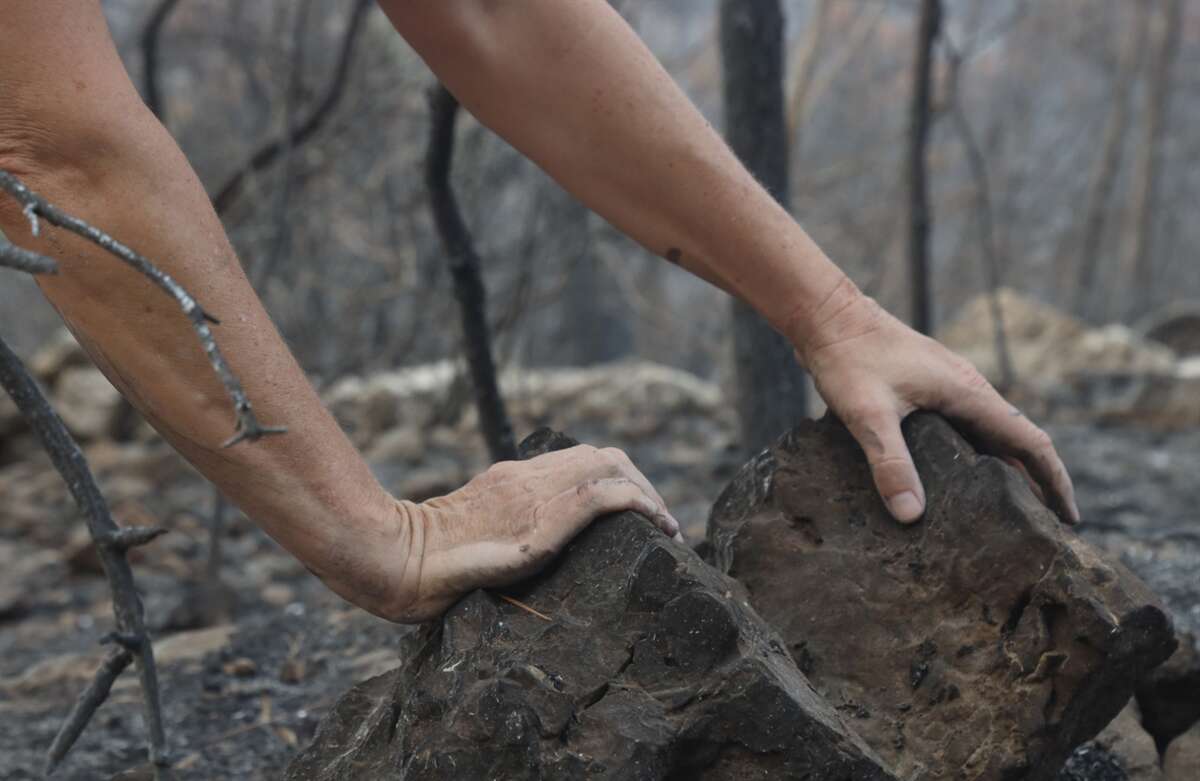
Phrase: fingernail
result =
(679, 538)
(1075, 516)
(905, 506)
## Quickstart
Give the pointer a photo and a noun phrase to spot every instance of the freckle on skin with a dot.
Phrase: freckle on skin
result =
(674, 255)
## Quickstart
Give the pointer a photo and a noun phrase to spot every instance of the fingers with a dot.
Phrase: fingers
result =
(631, 472)
(877, 430)
(1002, 428)
(1033, 484)
(579, 506)
(574, 467)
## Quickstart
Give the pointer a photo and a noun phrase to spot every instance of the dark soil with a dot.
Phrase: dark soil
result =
(243, 710)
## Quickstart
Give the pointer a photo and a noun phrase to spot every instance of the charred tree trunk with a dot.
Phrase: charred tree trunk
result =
(468, 285)
(920, 122)
(771, 386)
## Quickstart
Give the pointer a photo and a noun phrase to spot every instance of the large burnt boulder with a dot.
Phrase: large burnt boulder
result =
(646, 663)
(984, 642)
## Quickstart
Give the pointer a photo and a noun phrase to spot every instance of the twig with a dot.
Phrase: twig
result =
(12, 256)
(517, 603)
(90, 699)
(248, 428)
(111, 544)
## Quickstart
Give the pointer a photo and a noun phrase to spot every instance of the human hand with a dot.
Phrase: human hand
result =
(872, 371)
(507, 523)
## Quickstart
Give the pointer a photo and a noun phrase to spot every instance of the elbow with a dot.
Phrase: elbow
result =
(60, 150)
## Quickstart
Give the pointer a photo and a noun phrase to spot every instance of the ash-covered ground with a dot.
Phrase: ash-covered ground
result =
(250, 664)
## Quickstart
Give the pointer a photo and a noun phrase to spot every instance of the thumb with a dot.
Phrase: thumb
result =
(896, 479)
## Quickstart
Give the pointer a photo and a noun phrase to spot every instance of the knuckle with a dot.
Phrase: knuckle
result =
(590, 491)
(616, 454)
(867, 416)
(503, 470)
(969, 375)
(577, 452)
(608, 462)
(890, 460)
(1040, 442)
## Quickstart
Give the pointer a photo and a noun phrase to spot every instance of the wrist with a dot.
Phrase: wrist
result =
(401, 563)
(843, 312)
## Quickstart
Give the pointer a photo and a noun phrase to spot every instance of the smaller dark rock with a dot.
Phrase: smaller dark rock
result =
(1169, 695)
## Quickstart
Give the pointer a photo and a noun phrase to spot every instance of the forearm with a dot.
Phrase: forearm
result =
(571, 86)
(308, 489)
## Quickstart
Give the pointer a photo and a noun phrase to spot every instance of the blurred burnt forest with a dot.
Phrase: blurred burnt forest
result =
(1054, 154)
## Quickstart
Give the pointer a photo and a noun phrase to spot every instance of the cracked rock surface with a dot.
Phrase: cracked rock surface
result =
(651, 666)
(984, 642)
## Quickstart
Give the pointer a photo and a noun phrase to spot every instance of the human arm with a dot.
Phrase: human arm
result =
(572, 87)
(74, 129)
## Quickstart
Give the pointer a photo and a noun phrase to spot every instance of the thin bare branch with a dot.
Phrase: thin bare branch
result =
(90, 699)
(295, 136)
(111, 544)
(977, 163)
(14, 257)
(151, 39)
(247, 427)
(291, 99)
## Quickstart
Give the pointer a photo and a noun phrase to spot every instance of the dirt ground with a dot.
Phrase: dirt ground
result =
(248, 669)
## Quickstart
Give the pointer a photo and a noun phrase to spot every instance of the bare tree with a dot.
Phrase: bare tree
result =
(468, 285)
(1137, 261)
(305, 129)
(807, 58)
(771, 389)
(920, 120)
(984, 214)
(291, 98)
(1108, 160)
(131, 642)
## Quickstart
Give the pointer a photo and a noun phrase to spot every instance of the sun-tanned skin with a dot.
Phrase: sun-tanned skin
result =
(571, 86)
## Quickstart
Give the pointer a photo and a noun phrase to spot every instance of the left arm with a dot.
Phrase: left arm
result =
(571, 86)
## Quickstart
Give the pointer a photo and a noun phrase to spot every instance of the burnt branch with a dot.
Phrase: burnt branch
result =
(111, 544)
(37, 208)
(151, 39)
(14, 257)
(464, 268)
(302, 131)
(90, 699)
